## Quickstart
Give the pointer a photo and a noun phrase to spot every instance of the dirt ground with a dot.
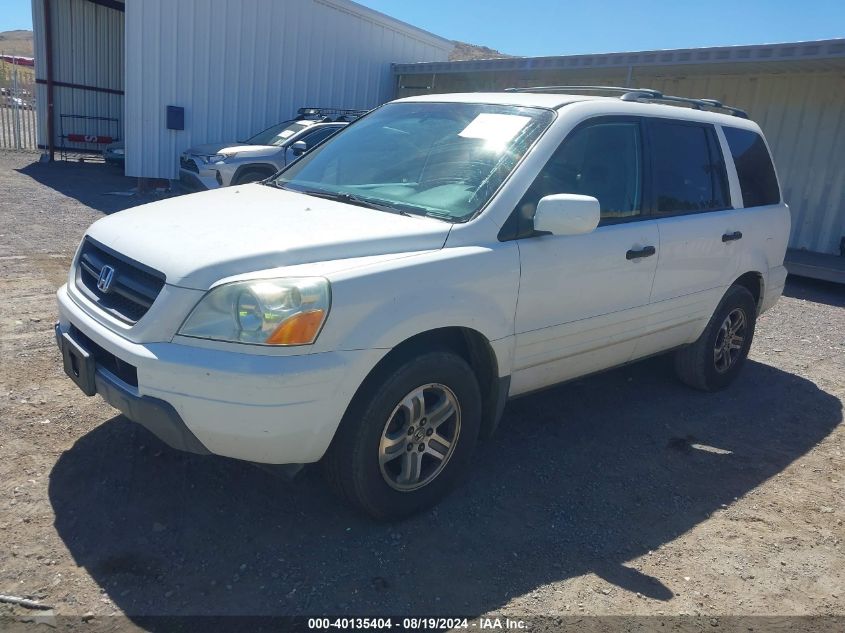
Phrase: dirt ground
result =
(624, 493)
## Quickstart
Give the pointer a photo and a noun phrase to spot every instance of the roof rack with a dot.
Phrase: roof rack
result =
(640, 94)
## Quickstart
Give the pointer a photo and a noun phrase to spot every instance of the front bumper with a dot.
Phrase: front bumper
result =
(157, 416)
(114, 159)
(198, 181)
(261, 407)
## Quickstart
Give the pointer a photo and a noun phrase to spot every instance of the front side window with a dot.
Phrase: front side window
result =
(689, 174)
(602, 160)
(754, 167)
(318, 136)
(445, 160)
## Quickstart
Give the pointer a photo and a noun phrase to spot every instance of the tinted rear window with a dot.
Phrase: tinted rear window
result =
(754, 167)
(689, 174)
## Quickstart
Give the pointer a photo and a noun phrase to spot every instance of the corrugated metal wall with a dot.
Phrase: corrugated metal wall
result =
(802, 114)
(239, 66)
(803, 117)
(87, 51)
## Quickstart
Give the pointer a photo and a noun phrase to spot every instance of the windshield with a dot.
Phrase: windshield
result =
(277, 134)
(445, 160)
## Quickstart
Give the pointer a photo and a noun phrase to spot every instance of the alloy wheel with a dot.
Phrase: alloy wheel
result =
(419, 437)
(729, 340)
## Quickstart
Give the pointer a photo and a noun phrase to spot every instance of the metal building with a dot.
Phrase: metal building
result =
(796, 92)
(78, 72)
(109, 69)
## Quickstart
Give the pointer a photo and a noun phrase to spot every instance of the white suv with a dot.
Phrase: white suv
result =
(375, 305)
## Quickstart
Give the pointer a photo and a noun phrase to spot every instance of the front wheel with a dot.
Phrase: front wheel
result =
(408, 439)
(251, 175)
(715, 359)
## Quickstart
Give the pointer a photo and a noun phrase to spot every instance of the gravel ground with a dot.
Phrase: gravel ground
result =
(624, 493)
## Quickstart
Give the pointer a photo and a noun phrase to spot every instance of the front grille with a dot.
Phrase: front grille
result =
(133, 287)
(188, 164)
(102, 358)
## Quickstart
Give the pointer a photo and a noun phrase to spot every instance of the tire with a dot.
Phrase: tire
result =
(368, 462)
(702, 365)
(251, 175)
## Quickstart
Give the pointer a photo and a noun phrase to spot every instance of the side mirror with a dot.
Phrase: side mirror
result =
(567, 214)
(298, 148)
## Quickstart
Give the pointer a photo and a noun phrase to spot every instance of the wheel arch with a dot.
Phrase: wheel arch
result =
(267, 168)
(469, 344)
(753, 282)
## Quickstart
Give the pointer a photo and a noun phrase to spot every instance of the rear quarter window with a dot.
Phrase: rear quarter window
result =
(757, 179)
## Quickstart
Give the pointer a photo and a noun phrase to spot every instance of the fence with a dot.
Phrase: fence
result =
(17, 127)
(18, 121)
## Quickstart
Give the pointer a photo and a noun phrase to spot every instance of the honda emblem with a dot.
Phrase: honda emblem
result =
(105, 279)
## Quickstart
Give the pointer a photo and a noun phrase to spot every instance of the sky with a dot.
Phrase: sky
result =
(560, 27)
(15, 15)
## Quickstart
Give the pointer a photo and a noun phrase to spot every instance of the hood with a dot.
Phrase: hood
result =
(210, 149)
(198, 239)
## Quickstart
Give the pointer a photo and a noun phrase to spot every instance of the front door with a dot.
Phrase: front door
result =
(584, 299)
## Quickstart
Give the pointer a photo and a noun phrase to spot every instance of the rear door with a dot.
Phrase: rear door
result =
(701, 234)
(584, 299)
(764, 220)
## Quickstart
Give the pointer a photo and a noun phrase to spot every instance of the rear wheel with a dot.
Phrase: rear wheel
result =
(408, 440)
(715, 359)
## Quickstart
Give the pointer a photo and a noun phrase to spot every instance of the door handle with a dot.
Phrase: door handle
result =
(730, 237)
(645, 251)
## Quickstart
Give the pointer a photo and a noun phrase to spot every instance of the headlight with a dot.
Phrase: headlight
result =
(264, 312)
(217, 158)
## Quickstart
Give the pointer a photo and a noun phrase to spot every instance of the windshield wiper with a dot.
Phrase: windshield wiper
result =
(349, 198)
(440, 215)
(415, 209)
(399, 208)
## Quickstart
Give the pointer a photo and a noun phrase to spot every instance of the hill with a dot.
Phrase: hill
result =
(465, 52)
(16, 43)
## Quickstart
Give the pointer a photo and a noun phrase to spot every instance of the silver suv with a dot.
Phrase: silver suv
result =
(235, 163)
